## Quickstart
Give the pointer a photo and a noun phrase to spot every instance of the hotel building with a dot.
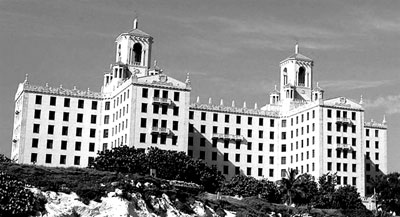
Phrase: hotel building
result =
(140, 105)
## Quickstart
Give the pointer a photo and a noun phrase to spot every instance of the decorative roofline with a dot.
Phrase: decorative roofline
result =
(341, 107)
(373, 124)
(62, 91)
(228, 109)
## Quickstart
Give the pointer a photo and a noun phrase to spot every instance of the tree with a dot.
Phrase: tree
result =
(308, 188)
(290, 186)
(347, 197)
(387, 188)
(324, 198)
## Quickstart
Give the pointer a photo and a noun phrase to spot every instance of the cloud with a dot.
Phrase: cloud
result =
(391, 104)
(346, 85)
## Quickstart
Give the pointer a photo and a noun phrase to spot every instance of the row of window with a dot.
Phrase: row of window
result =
(159, 139)
(368, 167)
(64, 130)
(342, 167)
(67, 102)
(368, 134)
(62, 159)
(342, 114)
(342, 140)
(367, 144)
(342, 154)
(64, 145)
(157, 92)
(164, 109)
(52, 115)
(367, 155)
(341, 128)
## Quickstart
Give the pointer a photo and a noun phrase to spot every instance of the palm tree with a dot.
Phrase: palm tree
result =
(290, 185)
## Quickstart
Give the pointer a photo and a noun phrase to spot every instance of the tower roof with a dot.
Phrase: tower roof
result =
(297, 55)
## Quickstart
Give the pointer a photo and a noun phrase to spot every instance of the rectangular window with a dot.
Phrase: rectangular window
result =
(283, 123)
(144, 108)
(53, 100)
(79, 118)
(329, 140)
(191, 115)
(215, 117)
(52, 115)
(226, 118)
(92, 133)
(249, 133)
(91, 147)
(164, 109)
(66, 116)
(93, 119)
(260, 159)
(64, 145)
(48, 158)
(67, 102)
(176, 96)
(78, 131)
(329, 166)
(283, 148)
(260, 146)
(250, 120)
(271, 172)
(376, 133)
(260, 172)
(38, 100)
(238, 119)
(37, 114)
(271, 147)
(145, 92)
(226, 156)
(283, 160)
(203, 116)
(376, 144)
(64, 131)
(105, 133)
(81, 103)
(203, 129)
(248, 171)
(249, 158)
(176, 111)
(77, 160)
(142, 138)
(143, 122)
(202, 142)
(50, 129)
(249, 145)
(78, 146)
(271, 160)
(174, 140)
(63, 159)
(272, 123)
(271, 135)
(107, 105)
(106, 119)
(94, 105)
(35, 143)
(354, 168)
(226, 143)
(260, 134)
(367, 132)
(261, 122)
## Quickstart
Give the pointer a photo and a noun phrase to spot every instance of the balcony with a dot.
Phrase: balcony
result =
(160, 130)
(344, 121)
(227, 137)
(344, 147)
(158, 100)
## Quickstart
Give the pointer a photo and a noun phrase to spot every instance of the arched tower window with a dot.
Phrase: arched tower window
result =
(285, 76)
(137, 49)
(302, 76)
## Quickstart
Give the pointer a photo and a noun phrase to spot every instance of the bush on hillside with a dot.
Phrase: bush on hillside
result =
(15, 200)
(170, 165)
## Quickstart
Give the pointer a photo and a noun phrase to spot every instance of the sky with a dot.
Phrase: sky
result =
(231, 48)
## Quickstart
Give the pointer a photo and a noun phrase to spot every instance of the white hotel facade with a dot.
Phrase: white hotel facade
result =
(141, 106)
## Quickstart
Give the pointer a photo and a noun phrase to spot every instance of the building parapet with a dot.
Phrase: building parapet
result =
(62, 91)
(227, 136)
(227, 109)
(373, 124)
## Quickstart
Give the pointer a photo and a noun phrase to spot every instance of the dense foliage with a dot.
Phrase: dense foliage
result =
(246, 186)
(16, 200)
(387, 188)
(168, 165)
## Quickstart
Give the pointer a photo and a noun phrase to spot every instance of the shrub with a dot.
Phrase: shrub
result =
(15, 200)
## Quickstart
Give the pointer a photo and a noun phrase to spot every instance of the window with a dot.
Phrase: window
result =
(81, 103)
(261, 122)
(79, 118)
(50, 129)
(176, 111)
(144, 107)
(329, 140)
(106, 119)
(52, 115)
(202, 155)
(107, 105)
(94, 105)
(249, 145)
(48, 158)
(64, 145)
(260, 171)
(202, 142)
(143, 122)
(142, 138)
(164, 109)
(191, 128)
(77, 160)
(329, 126)
(64, 131)
(225, 169)
(78, 131)
(271, 160)
(260, 159)
(226, 118)
(354, 168)
(329, 166)
(215, 117)
(376, 156)
(249, 133)
(260, 146)
(191, 115)
(105, 133)
(63, 159)
(176, 96)
(237, 170)
(156, 108)
(163, 139)
(338, 113)
(260, 134)
(226, 155)
(37, 114)
(92, 133)
(145, 92)
(93, 119)
(238, 144)
(283, 148)
(203, 116)
(78, 146)
(344, 167)
(35, 143)
(203, 129)
(367, 132)
(283, 123)
(271, 172)
(38, 101)
(329, 113)
(376, 144)
(53, 100)
(214, 142)
(250, 120)
(248, 171)
(271, 123)
(90, 160)
(66, 116)
(271, 135)
(283, 135)
(249, 158)
(226, 143)
(283, 160)
(271, 147)
(376, 133)
(329, 152)
(377, 167)
(238, 119)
